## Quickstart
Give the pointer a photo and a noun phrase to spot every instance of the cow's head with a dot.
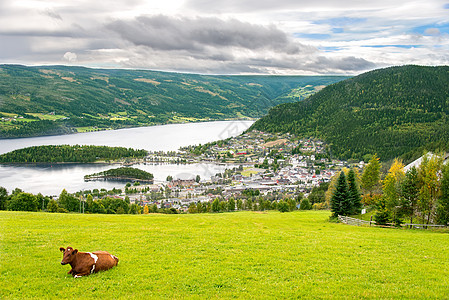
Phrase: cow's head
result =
(68, 255)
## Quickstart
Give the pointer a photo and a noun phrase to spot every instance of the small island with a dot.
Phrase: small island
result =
(122, 174)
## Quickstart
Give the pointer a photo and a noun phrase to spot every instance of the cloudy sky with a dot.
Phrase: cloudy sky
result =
(226, 37)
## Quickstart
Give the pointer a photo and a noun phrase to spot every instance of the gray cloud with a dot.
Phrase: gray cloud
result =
(52, 14)
(349, 64)
(171, 33)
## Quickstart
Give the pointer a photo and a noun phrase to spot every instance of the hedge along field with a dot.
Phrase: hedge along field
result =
(242, 254)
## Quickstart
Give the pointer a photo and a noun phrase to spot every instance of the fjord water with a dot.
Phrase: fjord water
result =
(51, 179)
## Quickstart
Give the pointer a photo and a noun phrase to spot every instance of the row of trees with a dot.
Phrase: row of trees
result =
(67, 153)
(21, 201)
(250, 203)
(420, 193)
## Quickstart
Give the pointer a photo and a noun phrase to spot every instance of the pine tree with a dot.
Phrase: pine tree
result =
(354, 193)
(340, 202)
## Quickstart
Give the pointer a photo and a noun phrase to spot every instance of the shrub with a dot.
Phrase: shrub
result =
(305, 204)
(52, 206)
(282, 206)
(62, 210)
(23, 202)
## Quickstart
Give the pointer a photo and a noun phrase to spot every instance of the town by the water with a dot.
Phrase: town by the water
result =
(274, 166)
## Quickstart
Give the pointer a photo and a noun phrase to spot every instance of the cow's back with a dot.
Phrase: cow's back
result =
(105, 261)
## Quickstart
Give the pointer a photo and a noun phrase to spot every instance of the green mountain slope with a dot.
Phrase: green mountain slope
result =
(60, 99)
(387, 111)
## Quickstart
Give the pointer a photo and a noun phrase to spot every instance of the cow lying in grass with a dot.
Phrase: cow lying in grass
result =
(85, 263)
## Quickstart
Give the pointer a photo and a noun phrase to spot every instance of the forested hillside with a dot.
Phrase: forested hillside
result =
(57, 99)
(392, 112)
(67, 153)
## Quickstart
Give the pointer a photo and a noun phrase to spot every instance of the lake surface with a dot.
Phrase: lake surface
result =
(51, 179)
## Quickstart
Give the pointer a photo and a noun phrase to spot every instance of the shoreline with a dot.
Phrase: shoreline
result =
(128, 127)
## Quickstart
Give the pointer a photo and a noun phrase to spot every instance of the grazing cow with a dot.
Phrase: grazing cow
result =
(85, 263)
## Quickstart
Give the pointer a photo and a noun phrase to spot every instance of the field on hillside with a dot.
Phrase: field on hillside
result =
(230, 255)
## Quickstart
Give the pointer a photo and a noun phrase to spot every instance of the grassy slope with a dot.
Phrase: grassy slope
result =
(245, 255)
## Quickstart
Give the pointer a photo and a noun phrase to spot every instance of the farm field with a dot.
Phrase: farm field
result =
(230, 255)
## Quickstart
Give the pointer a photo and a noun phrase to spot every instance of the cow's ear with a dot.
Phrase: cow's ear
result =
(61, 249)
(75, 251)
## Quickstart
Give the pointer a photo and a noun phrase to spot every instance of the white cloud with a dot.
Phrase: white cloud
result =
(70, 57)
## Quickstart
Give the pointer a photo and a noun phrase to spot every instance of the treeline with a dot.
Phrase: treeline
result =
(122, 173)
(34, 128)
(66, 153)
(419, 194)
(389, 111)
(21, 201)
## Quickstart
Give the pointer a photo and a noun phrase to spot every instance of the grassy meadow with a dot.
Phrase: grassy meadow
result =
(229, 255)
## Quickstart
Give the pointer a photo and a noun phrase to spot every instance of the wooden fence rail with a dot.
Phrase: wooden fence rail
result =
(358, 222)
(354, 221)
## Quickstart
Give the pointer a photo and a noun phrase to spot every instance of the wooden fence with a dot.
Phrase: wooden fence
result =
(353, 221)
(358, 222)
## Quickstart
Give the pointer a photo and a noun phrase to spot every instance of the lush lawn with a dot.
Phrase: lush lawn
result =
(241, 255)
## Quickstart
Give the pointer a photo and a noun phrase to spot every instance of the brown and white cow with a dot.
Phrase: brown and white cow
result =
(85, 263)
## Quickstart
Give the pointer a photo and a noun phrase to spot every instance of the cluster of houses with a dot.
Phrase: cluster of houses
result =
(295, 173)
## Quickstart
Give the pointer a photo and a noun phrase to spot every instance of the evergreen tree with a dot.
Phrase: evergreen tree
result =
(340, 202)
(383, 215)
(354, 193)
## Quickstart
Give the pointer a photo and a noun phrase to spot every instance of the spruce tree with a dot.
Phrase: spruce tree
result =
(340, 202)
(354, 193)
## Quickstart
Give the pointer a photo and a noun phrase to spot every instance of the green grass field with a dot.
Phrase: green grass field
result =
(230, 255)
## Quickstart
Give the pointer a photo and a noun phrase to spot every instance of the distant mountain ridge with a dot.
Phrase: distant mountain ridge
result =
(60, 99)
(392, 112)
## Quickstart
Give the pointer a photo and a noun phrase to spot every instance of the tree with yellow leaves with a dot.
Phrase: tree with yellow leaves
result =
(146, 210)
(391, 185)
(392, 189)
